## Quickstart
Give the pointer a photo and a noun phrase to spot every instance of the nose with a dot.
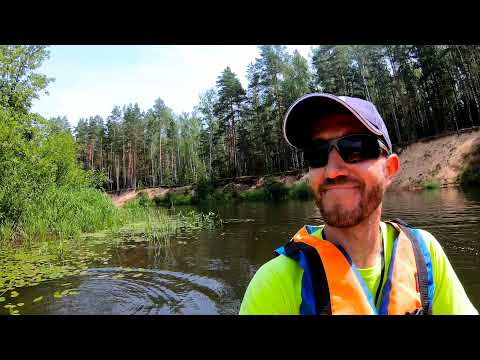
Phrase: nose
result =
(335, 166)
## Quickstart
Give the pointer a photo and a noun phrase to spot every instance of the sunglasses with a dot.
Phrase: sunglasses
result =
(352, 148)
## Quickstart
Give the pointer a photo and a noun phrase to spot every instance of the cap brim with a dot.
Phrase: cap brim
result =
(298, 119)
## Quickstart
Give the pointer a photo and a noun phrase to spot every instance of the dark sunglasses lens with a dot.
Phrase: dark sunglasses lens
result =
(357, 148)
(317, 155)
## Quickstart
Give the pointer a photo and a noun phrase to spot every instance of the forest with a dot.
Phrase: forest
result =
(420, 90)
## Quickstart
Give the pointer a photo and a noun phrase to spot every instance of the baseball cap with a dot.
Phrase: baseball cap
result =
(310, 107)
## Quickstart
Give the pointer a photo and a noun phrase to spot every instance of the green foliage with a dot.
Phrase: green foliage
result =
(254, 195)
(203, 191)
(300, 191)
(98, 179)
(179, 199)
(35, 161)
(174, 199)
(19, 83)
(470, 176)
(62, 212)
(430, 185)
(144, 200)
(275, 190)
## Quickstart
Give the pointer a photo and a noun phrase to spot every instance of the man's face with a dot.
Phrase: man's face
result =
(346, 194)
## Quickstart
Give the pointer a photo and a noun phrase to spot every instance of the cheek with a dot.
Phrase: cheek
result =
(373, 176)
(314, 178)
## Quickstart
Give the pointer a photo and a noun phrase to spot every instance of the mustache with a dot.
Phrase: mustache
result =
(339, 180)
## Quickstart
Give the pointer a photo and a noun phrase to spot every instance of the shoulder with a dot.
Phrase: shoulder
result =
(437, 254)
(274, 289)
(449, 295)
(430, 241)
(278, 271)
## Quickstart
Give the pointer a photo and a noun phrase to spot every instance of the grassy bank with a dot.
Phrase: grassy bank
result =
(205, 192)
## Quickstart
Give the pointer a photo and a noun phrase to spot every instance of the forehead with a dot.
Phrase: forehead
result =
(336, 125)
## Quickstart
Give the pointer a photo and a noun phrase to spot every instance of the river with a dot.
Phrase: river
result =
(207, 272)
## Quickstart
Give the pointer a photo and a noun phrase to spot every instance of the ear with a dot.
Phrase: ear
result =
(392, 167)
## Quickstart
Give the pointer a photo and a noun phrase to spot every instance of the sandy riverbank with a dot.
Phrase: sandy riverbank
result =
(440, 160)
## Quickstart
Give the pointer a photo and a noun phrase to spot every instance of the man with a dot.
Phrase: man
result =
(355, 263)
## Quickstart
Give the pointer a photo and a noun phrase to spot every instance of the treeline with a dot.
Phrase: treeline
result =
(420, 90)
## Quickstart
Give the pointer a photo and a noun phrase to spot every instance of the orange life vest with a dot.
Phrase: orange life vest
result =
(331, 283)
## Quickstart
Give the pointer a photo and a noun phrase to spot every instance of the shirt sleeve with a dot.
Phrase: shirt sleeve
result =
(449, 296)
(275, 289)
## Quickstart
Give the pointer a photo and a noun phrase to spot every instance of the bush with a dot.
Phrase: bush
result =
(430, 185)
(471, 176)
(204, 190)
(143, 200)
(98, 179)
(300, 191)
(178, 199)
(173, 199)
(254, 195)
(275, 190)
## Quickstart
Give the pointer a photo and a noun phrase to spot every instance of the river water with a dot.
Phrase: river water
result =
(207, 272)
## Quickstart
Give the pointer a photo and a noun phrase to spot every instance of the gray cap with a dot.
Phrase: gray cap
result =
(296, 124)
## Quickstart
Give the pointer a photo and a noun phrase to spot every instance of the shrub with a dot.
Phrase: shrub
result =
(301, 191)
(143, 200)
(274, 189)
(178, 199)
(430, 185)
(254, 195)
(204, 190)
(471, 176)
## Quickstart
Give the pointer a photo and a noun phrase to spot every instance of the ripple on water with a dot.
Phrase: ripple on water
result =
(117, 291)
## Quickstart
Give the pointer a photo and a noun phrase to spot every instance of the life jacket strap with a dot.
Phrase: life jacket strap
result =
(314, 273)
(422, 271)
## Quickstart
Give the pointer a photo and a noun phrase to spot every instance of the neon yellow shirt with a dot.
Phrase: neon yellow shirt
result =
(276, 287)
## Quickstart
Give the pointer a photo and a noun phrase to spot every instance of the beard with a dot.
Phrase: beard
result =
(338, 216)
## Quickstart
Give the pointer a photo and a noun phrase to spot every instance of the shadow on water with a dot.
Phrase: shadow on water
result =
(207, 272)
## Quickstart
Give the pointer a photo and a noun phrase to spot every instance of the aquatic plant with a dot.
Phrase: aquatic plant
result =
(430, 185)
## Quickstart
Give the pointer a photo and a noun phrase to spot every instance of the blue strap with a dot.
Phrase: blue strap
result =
(315, 294)
(388, 284)
(308, 300)
(428, 264)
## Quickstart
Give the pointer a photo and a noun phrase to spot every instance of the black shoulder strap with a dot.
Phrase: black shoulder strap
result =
(317, 273)
(422, 271)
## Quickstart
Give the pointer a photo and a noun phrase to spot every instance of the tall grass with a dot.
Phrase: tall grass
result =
(64, 213)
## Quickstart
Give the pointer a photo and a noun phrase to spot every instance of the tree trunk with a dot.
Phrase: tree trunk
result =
(124, 169)
(117, 172)
(160, 157)
(152, 162)
(397, 127)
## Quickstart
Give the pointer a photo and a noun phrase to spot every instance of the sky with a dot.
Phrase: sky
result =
(91, 80)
